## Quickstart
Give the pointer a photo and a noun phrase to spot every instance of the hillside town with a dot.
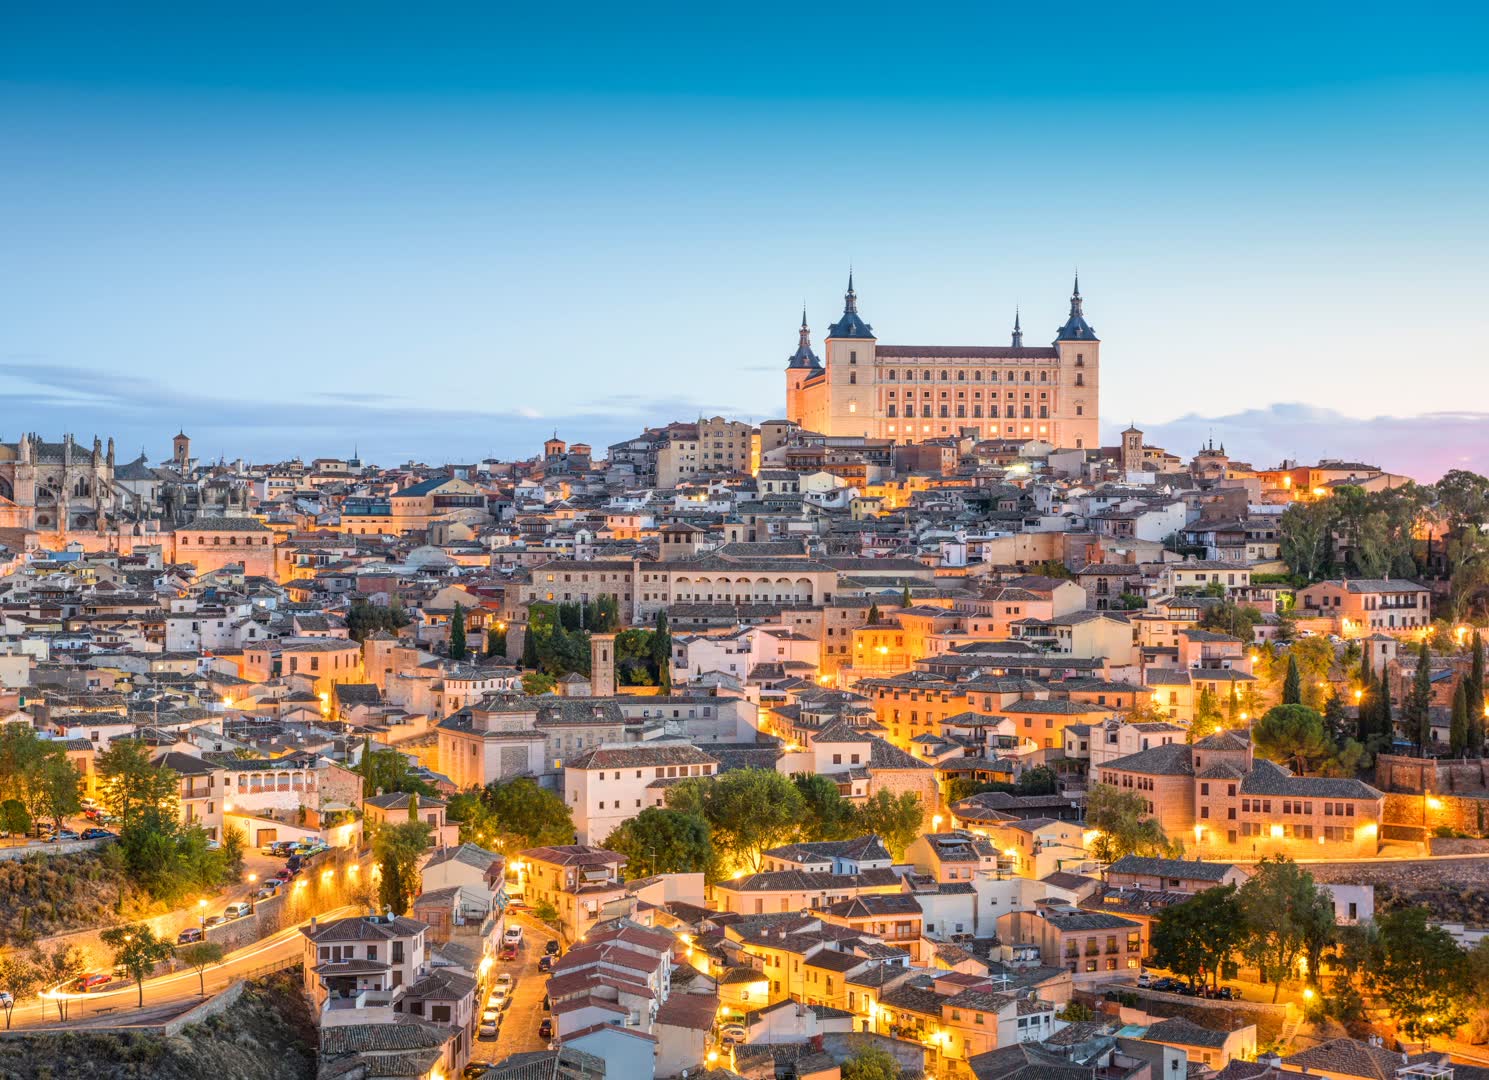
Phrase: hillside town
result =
(759, 750)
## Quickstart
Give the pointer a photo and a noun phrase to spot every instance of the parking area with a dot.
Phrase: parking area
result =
(519, 1028)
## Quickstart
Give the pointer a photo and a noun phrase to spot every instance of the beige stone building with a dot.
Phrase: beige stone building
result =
(912, 393)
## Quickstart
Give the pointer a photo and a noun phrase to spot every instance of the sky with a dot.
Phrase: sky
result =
(442, 232)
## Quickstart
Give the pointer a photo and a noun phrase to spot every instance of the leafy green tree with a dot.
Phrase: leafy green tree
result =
(871, 1063)
(15, 819)
(199, 956)
(397, 850)
(1305, 533)
(137, 951)
(1285, 915)
(129, 785)
(1421, 977)
(387, 770)
(513, 814)
(1292, 734)
(1416, 710)
(1124, 826)
(364, 618)
(827, 815)
(660, 840)
(457, 634)
(895, 819)
(1458, 732)
(1292, 686)
(750, 811)
(496, 642)
(54, 789)
(233, 845)
(1197, 938)
(1237, 620)
(536, 683)
(545, 912)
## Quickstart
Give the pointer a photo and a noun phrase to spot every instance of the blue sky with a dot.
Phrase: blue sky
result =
(440, 236)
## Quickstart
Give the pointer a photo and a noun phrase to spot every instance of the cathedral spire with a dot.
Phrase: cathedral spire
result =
(1018, 331)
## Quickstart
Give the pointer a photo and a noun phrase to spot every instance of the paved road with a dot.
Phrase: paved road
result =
(519, 1029)
(166, 994)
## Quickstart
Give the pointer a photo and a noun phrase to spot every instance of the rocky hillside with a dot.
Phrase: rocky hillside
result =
(268, 1034)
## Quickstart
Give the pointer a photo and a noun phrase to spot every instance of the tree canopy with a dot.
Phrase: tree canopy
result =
(513, 814)
(1293, 735)
(1125, 826)
(660, 840)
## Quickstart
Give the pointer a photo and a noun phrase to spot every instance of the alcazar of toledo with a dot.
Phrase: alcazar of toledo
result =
(913, 393)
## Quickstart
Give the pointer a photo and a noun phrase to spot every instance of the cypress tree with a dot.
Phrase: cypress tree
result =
(1458, 733)
(873, 614)
(1385, 723)
(1233, 708)
(457, 634)
(1476, 698)
(530, 648)
(905, 598)
(1416, 710)
(1292, 685)
(1369, 704)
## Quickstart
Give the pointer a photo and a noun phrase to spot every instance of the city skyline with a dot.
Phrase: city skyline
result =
(397, 232)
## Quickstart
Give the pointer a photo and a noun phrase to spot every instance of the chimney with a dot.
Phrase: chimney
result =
(312, 924)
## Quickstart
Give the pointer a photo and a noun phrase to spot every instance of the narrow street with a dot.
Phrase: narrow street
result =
(519, 1028)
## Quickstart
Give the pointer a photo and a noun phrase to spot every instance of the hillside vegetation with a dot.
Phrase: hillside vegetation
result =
(268, 1034)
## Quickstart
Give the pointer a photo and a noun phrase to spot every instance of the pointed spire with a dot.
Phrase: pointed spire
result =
(803, 357)
(1018, 331)
(850, 325)
(1076, 328)
(850, 299)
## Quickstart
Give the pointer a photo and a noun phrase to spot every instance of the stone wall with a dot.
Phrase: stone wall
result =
(1413, 774)
(1419, 815)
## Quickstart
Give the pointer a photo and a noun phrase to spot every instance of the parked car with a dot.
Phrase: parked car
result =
(489, 1023)
(238, 910)
(545, 963)
(513, 936)
(189, 935)
(92, 981)
(88, 804)
(498, 999)
(64, 834)
(547, 1005)
(268, 891)
(215, 920)
(1144, 979)
(551, 947)
(281, 848)
(97, 834)
(504, 980)
(732, 1033)
(509, 952)
(545, 1028)
(1163, 986)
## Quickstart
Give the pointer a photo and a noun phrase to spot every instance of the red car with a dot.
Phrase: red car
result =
(92, 981)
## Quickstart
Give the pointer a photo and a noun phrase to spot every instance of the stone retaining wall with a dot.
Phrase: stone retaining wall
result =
(1394, 772)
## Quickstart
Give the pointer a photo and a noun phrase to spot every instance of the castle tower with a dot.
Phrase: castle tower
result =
(180, 451)
(1132, 450)
(1079, 351)
(800, 366)
(850, 372)
(602, 665)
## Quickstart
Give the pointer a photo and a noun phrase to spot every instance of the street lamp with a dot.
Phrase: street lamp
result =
(252, 899)
(201, 910)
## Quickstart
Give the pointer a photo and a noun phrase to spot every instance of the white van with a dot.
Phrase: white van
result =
(513, 936)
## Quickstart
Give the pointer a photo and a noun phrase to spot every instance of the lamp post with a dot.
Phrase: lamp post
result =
(252, 899)
(201, 911)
